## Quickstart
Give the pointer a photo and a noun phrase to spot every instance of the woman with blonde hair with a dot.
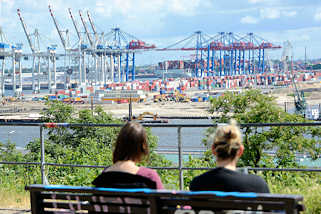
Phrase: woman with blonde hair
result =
(227, 147)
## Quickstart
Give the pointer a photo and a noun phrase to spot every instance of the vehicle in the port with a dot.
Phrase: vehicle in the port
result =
(50, 97)
(74, 100)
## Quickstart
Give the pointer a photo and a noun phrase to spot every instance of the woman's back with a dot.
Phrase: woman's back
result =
(222, 179)
(113, 179)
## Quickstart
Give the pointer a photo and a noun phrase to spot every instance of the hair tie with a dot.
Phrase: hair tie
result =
(228, 135)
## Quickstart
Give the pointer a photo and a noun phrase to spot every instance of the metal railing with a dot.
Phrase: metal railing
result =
(179, 127)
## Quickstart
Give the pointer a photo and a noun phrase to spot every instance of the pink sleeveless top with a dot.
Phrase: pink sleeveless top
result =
(151, 174)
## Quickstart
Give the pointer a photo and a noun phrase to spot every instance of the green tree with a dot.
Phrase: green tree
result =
(83, 145)
(252, 106)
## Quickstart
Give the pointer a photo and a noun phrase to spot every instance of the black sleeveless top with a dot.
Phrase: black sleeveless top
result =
(113, 179)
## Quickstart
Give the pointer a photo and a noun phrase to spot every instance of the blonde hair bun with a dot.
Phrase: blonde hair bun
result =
(227, 140)
(233, 122)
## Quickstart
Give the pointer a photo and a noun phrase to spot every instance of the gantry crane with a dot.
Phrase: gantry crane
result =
(101, 56)
(52, 53)
(93, 28)
(75, 25)
(92, 45)
(35, 48)
(64, 43)
(3, 54)
(123, 42)
(232, 50)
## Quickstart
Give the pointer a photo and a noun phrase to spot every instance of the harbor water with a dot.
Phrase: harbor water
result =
(191, 139)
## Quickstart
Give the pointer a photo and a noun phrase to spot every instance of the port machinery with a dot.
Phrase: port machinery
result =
(116, 45)
(97, 58)
(226, 53)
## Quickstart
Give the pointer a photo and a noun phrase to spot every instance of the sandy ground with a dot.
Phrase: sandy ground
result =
(31, 109)
(14, 211)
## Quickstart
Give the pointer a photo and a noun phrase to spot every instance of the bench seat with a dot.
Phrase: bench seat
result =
(58, 199)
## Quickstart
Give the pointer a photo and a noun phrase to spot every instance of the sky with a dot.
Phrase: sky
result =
(163, 22)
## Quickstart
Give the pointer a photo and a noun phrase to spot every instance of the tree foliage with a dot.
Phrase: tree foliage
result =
(252, 106)
(80, 145)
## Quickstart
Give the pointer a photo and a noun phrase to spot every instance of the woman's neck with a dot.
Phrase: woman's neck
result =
(124, 166)
(228, 164)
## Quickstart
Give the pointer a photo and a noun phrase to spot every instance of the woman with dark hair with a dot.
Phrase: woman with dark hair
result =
(131, 147)
(228, 148)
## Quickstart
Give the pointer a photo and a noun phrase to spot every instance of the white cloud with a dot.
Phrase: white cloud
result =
(263, 1)
(102, 9)
(129, 8)
(270, 13)
(289, 13)
(184, 7)
(249, 20)
(317, 15)
(255, 1)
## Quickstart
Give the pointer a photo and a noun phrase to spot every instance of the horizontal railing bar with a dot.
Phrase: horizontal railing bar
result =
(286, 169)
(19, 124)
(169, 168)
(74, 165)
(54, 125)
(20, 163)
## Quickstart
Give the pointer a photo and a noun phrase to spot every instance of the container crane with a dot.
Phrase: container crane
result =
(102, 58)
(194, 42)
(93, 28)
(86, 30)
(4, 45)
(92, 45)
(75, 25)
(35, 51)
(52, 53)
(26, 33)
(82, 46)
(62, 39)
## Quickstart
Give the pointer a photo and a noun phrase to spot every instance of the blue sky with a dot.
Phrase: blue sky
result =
(163, 22)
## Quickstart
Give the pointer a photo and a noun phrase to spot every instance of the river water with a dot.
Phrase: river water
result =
(167, 137)
(191, 139)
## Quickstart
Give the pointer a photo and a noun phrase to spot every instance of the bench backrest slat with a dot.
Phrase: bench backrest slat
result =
(69, 199)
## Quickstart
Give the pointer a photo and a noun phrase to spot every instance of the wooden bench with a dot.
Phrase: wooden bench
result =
(56, 199)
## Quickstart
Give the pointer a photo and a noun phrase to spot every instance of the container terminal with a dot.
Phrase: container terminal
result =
(101, 62)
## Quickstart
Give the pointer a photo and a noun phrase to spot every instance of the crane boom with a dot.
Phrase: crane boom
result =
(86, 29)
(75, 24)
(63, 41)
(92, 26)
(26, 31)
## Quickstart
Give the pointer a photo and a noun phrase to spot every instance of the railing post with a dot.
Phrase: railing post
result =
(42, 146)
(180, 165)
